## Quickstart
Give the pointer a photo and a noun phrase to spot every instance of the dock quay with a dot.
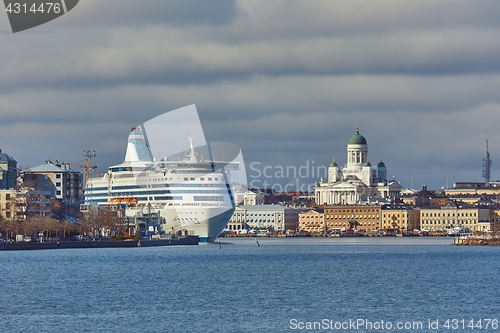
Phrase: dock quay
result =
(364, 234)
(477, 240)
(188, 240)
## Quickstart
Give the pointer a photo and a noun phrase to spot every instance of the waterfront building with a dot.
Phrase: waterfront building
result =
(409, 192)
(360, 217)
(473, 189)
(312, 221)
(274, 218)
(7, 204)
(495, 214)
(422, 198)
(57, 181)
(358, 181)
(404, 218)
(253, 197)
(17, 204)
(488, 226)
(8, 171)
(453, 214)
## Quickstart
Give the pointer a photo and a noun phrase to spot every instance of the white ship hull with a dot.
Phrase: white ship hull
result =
(207, 223)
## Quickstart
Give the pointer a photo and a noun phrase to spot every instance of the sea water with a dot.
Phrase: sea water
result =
(255, 285)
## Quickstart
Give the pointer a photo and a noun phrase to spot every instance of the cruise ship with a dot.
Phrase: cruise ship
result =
(194, 196)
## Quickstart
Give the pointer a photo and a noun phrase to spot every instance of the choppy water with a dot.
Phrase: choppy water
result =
(278, 286)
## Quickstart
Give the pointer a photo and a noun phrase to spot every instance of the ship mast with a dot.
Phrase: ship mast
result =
(192, 152)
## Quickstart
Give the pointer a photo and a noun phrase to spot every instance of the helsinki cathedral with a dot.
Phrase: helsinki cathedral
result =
(358, 181)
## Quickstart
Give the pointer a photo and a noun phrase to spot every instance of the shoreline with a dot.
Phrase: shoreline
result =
(19, 246)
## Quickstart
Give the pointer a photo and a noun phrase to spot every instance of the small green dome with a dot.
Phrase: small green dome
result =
(333, 164)
(357, 139)
(381, 164)
(367, 164)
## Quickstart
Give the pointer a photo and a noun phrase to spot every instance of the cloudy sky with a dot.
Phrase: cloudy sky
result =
(287, 81)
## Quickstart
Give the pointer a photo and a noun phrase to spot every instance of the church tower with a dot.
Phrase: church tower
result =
(382, 171)
(358, 166)
(333, 172)
(357, 149)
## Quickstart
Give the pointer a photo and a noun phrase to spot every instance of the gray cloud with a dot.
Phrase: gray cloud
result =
(285, 80)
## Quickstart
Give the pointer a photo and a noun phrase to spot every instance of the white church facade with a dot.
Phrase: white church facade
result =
(358, 181)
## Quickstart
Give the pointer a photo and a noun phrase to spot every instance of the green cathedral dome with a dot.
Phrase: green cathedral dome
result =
(357, 139)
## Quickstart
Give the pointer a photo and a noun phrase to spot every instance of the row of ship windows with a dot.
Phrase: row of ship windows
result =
(208, 198)
(142, 193)
(130, 187)
(166, 197)
(177, 165)
(202, 179)
(188, 179)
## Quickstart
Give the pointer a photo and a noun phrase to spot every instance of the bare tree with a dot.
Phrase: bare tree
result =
(3, 222)
(111, 220)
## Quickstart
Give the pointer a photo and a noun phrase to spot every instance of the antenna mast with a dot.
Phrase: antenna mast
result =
(486, 166)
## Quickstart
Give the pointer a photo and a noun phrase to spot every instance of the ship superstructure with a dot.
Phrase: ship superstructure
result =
(193, 195)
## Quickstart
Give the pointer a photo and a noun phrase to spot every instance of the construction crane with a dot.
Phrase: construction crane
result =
(89, 154)
(87, 167)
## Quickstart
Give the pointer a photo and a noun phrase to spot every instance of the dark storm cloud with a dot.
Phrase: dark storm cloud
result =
(265, 39)
(130, 13)
(162, 59)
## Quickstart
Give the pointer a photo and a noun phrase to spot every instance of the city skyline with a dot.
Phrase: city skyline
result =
(285, 81)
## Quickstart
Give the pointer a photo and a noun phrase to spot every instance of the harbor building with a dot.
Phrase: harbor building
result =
(422, 198)
(313, 221)
(358, 181)
(403, 218)
(56, 180)
(274, 218)
(8, 208)
(454, 214)
(495, 214)
(8, 171)
(360, 217)
(18, 204)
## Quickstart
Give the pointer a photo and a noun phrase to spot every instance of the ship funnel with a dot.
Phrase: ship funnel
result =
(138, 146)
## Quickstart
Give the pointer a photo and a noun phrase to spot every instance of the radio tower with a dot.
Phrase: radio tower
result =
(486, 166)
